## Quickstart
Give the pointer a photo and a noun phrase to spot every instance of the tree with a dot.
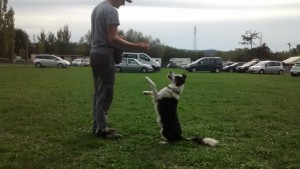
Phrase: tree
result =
(88, 37)
(296, 51)
(50, 43)
(63, 40)
(41, 42)
(84, 44)
(262, 52)
(134, 36)
(249, 37)
(7, 33)
(3, 8)
(21, 43)
(157, 48)
(10, 33)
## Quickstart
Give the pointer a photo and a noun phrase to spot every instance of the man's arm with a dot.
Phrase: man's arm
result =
(118, 42)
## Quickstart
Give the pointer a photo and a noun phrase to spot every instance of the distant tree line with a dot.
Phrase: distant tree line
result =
(17, 42)
(60, 44)
(261, 51)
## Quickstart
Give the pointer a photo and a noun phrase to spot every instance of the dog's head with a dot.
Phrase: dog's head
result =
(177, 79)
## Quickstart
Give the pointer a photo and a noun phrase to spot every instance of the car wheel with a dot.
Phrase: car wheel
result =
(38, 65)
(280, 72)
(194, 69)
(60, 65)
(217, 70)
(144, 70)
(293, 74)
(261, 72)
(118, 69)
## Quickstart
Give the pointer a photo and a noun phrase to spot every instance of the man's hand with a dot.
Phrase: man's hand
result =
(143, 46)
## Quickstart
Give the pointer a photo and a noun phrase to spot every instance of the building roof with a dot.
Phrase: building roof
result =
(292, 60)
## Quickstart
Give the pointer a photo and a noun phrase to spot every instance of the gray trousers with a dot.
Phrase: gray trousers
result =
(103, 69)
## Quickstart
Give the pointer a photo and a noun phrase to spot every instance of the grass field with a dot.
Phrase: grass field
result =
(46, 115)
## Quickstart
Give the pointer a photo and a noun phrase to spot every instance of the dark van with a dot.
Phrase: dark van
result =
(213, 64)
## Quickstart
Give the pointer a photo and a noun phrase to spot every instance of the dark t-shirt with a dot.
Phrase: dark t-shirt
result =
(103, 14)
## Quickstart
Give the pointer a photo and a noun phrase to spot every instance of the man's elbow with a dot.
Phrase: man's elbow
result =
(113, 41)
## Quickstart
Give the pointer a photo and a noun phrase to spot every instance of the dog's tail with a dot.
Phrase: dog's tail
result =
(204, 141)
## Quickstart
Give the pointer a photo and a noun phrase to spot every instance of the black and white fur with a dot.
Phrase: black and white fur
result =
(165, 103)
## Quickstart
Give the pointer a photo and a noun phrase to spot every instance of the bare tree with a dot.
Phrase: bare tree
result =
(249, 37)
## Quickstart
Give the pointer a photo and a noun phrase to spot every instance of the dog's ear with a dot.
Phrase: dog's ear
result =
(184, 76)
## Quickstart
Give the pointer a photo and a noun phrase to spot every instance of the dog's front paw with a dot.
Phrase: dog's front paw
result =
(163, 142)
(147, 92)
(149, 81)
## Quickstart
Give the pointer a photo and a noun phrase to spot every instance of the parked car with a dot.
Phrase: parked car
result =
(86, 62)
(213, 64)
(183, 66)
(295, 70)
(267, 66)
(143, 58)
(228, 63)
(133, 65)
(244, 68)
(172, 65)
(43, 60)
(232, 67)
(77, 62)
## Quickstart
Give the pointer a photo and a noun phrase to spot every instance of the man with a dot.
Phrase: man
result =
(105, 22)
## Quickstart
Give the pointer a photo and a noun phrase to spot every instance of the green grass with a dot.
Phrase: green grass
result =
(46, 115)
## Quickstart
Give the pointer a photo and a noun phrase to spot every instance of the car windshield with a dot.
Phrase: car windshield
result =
(229, 64)
(133, 61)
(58, 58)
(196, 61)
(260, 63)
(233, 64)
(249, 63)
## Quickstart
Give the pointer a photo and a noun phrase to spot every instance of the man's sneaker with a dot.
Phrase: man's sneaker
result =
(108, 134)
(108, 129)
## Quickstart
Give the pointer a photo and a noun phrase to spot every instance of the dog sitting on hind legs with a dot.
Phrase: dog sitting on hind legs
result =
(165, 104)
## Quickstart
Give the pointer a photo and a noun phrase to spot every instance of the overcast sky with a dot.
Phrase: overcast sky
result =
(219, 23)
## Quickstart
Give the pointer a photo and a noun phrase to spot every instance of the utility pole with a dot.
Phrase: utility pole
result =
(260, 39)
(195, 37)
(289, 48)
(26, 53)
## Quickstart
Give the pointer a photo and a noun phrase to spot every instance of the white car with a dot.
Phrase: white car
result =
(45, 60)
(77, 62)
(267, 66)
(295, 70)
(143, 58)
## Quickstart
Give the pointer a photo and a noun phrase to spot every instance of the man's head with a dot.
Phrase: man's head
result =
(118, 3)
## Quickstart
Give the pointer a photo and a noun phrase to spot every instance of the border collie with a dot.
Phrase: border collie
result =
(165, 103)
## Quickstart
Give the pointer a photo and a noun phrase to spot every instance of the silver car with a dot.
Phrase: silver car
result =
(86, 62)
(267, 66)
(43, 60)
(77, 62)
(133, 65)
(295, 70)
